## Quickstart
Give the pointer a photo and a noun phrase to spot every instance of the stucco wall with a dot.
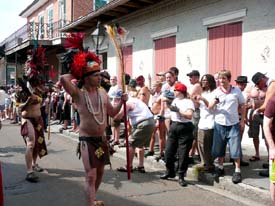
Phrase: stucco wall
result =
(191, 38)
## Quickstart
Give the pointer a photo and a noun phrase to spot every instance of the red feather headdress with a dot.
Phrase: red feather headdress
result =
(83, 62)
(35, 63)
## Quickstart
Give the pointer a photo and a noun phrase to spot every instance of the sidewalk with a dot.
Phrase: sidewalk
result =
(253, 186)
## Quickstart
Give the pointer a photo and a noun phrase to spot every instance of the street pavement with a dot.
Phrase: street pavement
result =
(254, 190)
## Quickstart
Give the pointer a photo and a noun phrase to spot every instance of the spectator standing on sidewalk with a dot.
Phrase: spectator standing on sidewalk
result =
(206, 122)
(263, 82)
(3, 96)
(241, 83)
(160, 125)
(180, 135)
(227, 125)
(194, 90)
(142, 124)
(269, 130)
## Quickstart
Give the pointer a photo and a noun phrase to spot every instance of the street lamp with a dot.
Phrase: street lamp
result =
(98, 36)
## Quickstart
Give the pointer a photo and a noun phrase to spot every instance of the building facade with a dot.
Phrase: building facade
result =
(207, 35)
(45, 18)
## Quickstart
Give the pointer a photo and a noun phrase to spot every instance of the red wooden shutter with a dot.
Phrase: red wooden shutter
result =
(225, 49)
(165, 54)
(128, 59)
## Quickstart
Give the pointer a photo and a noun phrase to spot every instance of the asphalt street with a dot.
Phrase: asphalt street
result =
(63, 182)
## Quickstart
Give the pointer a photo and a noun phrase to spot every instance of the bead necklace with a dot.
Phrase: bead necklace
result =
(91, 108)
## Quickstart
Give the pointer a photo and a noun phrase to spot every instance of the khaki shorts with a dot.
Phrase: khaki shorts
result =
(141, 133)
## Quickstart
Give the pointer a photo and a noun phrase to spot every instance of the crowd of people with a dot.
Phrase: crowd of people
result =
(204, 119)
(201, 121)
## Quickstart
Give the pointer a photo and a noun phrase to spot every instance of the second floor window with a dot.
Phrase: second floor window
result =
(99, 3)
(62, 12)
(41, 27)
(50, 23)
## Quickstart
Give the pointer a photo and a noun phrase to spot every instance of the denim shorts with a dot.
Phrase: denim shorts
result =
(224, 135)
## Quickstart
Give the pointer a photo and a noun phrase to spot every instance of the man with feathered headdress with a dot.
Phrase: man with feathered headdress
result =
(93, 105)
(30, 98)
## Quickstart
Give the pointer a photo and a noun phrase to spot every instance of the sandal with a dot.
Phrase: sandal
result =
(115, 143)
(99, 203)
(254, 159)
(124, 169)
(32, 177)
(140, 169)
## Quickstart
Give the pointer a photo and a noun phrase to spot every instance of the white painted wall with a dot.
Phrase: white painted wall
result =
(258, 49)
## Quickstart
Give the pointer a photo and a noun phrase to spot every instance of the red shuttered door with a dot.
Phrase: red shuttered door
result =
(128, 59)
(165, 54)
(225, 49)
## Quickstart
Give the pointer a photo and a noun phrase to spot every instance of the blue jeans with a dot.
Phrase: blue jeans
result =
(222, 136)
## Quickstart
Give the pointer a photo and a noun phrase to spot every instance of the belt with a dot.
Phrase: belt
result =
(144, 120)
(91, 139)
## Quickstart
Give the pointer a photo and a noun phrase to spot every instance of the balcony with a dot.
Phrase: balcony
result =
(46, 33)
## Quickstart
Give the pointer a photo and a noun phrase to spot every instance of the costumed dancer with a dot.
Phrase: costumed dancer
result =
(30, 98)
(93, 105)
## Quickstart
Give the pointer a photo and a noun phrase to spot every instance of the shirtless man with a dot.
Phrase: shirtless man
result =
(160, 125)
(93, 106)
(263, 82)
(144, 92)
(256, 99)
(32, 131)
(194, 90)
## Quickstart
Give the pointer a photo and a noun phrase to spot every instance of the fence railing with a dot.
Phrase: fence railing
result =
(35, 31)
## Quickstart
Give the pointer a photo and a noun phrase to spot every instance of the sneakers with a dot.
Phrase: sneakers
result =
(149, 153)
(265, 165)
(219, 172)
(32, 177)
(237, 177)
(264, 173)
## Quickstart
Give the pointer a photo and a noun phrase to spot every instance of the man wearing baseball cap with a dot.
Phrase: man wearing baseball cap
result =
(262, 82)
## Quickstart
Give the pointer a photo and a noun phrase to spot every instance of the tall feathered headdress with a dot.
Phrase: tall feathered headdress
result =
(34, 66)
(78, 60)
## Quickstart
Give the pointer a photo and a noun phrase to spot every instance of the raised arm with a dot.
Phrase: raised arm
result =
(69, 87)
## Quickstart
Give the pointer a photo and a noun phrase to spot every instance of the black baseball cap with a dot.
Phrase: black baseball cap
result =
(193, 73)
(257, 77)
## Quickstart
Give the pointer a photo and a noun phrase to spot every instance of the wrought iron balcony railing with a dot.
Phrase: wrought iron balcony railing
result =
(35, 31)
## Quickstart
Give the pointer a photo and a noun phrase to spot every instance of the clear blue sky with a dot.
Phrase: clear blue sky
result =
(9, 16)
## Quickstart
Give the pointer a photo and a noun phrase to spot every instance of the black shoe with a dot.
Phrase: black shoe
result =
(149, 153)
(265, 165)
(32, 177)
(140, 169)
(191, 161)
(244, 164)
(219, 172)
(182, 182)
(167, 175)
(237, 177)
(264, 173)
(160, 157)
